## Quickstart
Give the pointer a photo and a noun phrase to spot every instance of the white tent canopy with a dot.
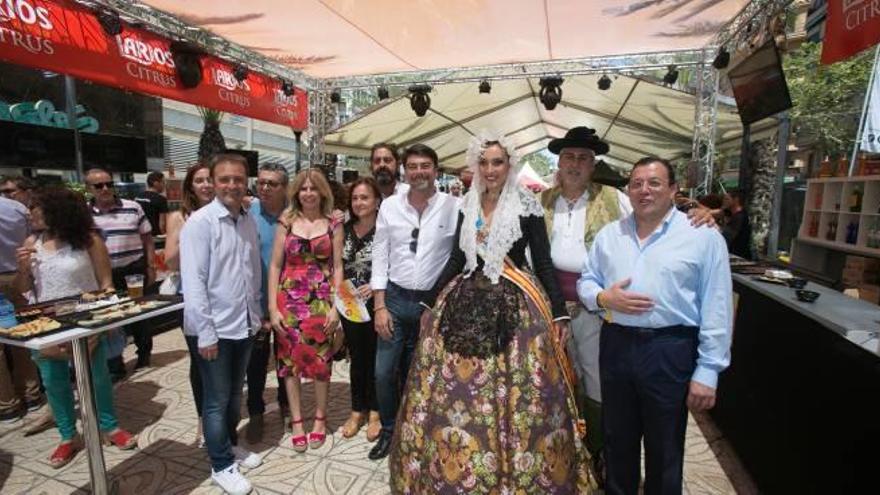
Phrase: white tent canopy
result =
(337, 38)
(635, 117)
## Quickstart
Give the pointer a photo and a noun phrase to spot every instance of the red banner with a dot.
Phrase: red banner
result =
(850, 27)
(65, 37)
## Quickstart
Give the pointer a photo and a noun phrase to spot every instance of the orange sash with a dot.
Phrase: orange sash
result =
(527, 284)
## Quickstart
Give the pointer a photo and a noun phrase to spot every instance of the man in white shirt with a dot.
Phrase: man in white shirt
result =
(384, 165)
(220, 269)
(416, 231)
(574, 211)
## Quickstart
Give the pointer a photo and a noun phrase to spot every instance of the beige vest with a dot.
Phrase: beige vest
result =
(602, 209)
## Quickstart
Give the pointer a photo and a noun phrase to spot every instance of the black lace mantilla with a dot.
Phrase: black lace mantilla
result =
(480, 318)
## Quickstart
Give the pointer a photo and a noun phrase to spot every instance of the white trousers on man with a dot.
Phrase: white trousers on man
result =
(584, 349)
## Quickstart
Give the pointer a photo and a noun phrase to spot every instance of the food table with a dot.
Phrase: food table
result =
(800, 402)
(78, 336)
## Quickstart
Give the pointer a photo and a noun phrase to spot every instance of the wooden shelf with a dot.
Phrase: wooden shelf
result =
(841, 246)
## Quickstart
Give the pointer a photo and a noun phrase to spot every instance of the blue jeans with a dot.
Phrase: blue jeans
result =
(222, 381)
(395, 354)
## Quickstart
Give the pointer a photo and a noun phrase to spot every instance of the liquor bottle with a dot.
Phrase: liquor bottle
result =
(855, 199)
(818, 204)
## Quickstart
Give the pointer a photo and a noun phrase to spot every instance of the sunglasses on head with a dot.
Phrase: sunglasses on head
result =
(103, 185)
(414, 244)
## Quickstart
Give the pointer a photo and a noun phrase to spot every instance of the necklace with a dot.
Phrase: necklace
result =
(482, 228)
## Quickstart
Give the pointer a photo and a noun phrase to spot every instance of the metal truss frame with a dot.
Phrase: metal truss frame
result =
(318, 125)
(616, 64)
(753, 18)
(705, 118)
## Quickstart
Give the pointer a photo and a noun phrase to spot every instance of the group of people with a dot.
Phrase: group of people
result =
(516, 343)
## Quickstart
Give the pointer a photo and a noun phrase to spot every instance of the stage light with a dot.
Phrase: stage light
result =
(110, 22)
(287, 88)
(419, 100)
(485, 87)
(551, 92)
(722, 59)
(240, 72)
(671, 76)
(382, 92)
(335, 97)
(188, 63)
(604, 82)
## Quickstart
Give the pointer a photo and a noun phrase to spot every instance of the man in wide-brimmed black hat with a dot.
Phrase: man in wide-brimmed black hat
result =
(575, 210)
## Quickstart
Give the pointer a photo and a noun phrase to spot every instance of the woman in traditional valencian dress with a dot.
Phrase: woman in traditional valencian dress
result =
(306, 267)
(489, 404)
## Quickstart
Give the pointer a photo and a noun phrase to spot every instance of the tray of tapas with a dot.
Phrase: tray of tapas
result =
(122, 310)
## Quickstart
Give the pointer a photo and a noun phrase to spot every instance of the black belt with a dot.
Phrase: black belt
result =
(683, 330)
(413, 295)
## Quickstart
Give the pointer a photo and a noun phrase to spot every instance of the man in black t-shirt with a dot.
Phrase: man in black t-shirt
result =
(154, 204)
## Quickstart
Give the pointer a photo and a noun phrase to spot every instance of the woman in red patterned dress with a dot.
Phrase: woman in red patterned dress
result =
(307, 265)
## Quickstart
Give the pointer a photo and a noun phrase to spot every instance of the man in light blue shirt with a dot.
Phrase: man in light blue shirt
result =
(220, 269)
(272, 180)
(665, 287)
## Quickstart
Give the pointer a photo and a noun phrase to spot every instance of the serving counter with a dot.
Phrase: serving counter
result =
(800, 402)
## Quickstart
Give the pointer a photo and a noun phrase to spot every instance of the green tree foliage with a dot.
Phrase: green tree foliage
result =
(540, 162)
(827, 98)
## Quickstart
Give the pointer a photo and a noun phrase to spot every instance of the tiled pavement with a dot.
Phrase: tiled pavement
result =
(157, 404)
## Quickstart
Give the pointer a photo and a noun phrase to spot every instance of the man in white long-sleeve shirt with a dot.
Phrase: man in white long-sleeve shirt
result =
(220, 268)
(415, 232)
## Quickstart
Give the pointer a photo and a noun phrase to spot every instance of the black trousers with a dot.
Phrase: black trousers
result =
(645, 375)
(360, 338)
(143, 335)
(256, 375)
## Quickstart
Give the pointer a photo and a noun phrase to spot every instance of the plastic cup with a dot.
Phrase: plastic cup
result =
(135, 285)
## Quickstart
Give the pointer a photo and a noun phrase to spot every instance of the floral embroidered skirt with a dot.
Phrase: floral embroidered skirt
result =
(501, 424)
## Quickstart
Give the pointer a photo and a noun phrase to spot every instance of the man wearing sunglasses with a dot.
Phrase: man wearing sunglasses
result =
(129, 239)
(415, 232)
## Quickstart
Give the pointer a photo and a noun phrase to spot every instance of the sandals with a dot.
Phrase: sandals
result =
(353, 425)
(300, 442)
(65, 452)
(374, 427)
(316, 440)
(122, 439)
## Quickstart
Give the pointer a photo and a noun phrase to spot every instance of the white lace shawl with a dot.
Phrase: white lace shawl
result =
(514, 202)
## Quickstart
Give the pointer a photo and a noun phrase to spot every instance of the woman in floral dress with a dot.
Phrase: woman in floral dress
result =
(489, 405)
(307, 263)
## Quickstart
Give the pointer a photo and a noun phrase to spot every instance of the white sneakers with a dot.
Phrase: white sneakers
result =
(231, 481)
(246, 458)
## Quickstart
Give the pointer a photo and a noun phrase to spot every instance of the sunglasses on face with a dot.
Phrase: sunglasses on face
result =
(8, 192)
(103, 185)
(414, 244)
(268, 183)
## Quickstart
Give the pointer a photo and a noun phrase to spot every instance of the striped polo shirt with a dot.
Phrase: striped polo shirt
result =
(122, 227)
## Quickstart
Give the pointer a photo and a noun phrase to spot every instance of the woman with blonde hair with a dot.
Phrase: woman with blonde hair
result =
(307, 265)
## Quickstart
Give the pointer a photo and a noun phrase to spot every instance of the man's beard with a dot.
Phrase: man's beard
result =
(384, 177)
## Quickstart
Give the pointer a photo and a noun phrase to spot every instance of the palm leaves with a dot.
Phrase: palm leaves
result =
(211, 140)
